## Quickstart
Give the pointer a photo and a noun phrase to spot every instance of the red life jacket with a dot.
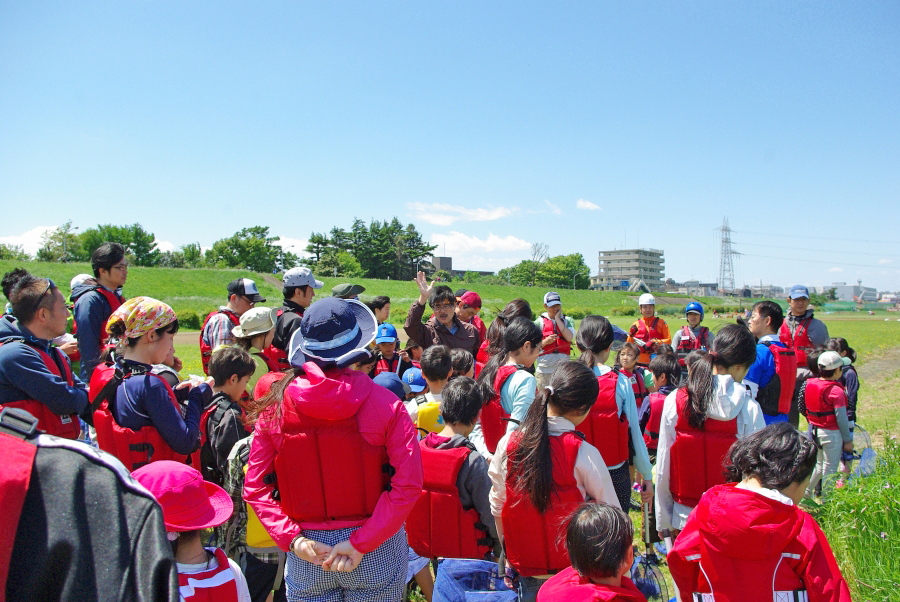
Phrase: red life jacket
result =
(67, 426)
(271, 365)
(326, 470)
(18, 458)
(438, 526)
(275, 356)
(569, 586)
(698, 456)
(819, 408)
(133, 448)
(638, 386)
(561, 345)
(799, 340)
(212, 585)
(205, 349)
(494, 418)
(536, 543)
(482, 355)
(115, 301)
(782, 382)
(385, 365)
(691, 342)
(605, 428)
(651, 432)
(645, 333)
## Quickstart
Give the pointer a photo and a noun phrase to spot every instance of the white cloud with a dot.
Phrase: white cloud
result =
(164, 245)
(445, 214)
(473, 253)
(30, 241)
(297, 246)
(553, 208)
(835, 269)
(885, 261)
(583, 204)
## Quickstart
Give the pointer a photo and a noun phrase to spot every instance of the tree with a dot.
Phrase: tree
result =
(250, 249)
(193, 255)
(317, 244)
(831, 294)
(519, 274)
(139, 244)
(60, 244)
(563, 271)
(443, 276)
(339, 263)
(14, 252)
(538, 257)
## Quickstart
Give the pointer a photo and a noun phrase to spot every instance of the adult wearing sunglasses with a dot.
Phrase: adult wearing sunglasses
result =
(443, 327)
(35, 376)
(95, 301)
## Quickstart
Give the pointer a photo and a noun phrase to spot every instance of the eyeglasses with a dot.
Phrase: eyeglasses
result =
(121, 268)
(444, 306)
(37, 304)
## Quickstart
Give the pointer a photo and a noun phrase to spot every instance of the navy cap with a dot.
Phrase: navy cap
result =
(392, 383)
(799, 291)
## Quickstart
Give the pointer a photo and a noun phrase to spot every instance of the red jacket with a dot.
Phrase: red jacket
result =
(822, 397)
(743, 545)
(651, 431)
(381, 420)
(569, 586)
(535, 542)
(799, 341)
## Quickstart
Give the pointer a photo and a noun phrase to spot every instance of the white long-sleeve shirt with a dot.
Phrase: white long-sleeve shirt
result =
(730, 401)
(591, 474)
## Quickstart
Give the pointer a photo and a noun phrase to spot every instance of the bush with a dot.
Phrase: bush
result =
(623, 311)
(189, 320)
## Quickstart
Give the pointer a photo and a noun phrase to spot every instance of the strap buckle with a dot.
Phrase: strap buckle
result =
(20, 422)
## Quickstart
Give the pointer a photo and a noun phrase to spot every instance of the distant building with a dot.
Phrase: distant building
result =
(621, 270)
(854, 292)
(446, 263)
(692, 288)
(768, 291)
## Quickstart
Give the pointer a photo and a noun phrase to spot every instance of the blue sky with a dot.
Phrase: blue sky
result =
(587, 126)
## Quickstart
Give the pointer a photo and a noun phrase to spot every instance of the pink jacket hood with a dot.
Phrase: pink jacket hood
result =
(336, 395)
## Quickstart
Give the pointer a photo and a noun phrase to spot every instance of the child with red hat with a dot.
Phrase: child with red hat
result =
(189, 505)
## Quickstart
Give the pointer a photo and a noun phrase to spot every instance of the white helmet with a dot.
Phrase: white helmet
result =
(647, 299)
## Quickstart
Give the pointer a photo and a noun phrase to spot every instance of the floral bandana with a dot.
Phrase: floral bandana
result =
(140, 316)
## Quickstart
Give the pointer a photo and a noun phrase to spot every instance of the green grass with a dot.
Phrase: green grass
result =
(862, 523)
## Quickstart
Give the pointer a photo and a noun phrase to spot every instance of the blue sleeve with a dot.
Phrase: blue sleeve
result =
(91, 311)
(23, 371)
(626, 403)
(520, 391)
(763, 369)
(182, 435)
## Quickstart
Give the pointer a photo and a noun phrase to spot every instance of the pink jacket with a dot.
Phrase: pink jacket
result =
(382, 420)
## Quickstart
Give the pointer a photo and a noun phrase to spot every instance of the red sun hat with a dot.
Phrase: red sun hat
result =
(188, 502)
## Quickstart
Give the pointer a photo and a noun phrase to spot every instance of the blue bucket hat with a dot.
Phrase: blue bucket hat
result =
(333, 331)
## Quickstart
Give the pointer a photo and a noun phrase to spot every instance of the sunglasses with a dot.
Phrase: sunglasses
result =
(37, 304)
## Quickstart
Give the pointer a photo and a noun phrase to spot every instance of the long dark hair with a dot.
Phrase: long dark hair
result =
(574, 389)
(734, 346)
(520, 331)
(777, 455)
(840, 345)
(269, 405)
(595, 335)
(513, 310)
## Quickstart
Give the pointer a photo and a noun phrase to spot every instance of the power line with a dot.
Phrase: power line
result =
(858, 265)
(828, 238)
(843, 251)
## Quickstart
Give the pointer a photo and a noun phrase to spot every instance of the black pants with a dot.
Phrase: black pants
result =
(622, 484)
(260, 578)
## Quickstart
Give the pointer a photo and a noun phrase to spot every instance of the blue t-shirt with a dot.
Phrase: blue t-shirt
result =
(763, 369)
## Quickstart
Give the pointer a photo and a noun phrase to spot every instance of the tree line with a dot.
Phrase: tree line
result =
(381, 249)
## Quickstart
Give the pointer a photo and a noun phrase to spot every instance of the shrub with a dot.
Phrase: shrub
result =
(623, 311)
(189, 320)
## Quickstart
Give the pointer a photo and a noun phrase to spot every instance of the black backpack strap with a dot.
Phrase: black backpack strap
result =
(107, 393)
(18, 423)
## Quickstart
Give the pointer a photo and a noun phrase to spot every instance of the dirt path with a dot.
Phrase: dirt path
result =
(879, 404)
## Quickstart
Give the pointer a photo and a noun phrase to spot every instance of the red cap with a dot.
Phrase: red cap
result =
(471, 299)
(188, 502)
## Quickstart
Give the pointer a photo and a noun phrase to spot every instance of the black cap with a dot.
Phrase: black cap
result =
(244, 287)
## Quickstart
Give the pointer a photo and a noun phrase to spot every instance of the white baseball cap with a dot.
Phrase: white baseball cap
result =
(301, 277)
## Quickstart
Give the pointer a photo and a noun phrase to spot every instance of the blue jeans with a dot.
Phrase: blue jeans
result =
(528, 588)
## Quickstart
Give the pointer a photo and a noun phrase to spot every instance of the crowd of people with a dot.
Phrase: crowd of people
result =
(317, 460)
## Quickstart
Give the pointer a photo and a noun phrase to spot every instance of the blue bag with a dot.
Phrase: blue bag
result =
(460, 580)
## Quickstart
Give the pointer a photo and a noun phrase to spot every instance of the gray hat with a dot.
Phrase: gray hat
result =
(301, 277)
(347, 290)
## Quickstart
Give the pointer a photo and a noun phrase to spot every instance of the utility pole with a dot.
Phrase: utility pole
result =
(726, 264)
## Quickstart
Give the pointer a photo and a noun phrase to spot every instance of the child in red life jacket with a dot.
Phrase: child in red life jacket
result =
(463, 363)
(254, 334)
(666, 371)
(598, 539)
(509, 387)
(453, 518)
(542, 472)
(749, 539)
(390, 361)
(222, 423)
(189, 506)
(139, 419)
(849, 378)
(344, 457)
(692, 336)
(649, 330)
(612, 425)
(640, 379)
(700, 422)
(826, 410)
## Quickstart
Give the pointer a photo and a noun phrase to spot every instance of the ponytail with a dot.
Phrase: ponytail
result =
(520, 331)
(734, 346)
(840, 345)
(573, 388)
(595, 335)
(513, 309)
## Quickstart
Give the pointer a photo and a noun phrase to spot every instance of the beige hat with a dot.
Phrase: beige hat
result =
(256, 321)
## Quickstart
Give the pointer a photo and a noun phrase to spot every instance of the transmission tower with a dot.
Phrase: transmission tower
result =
(726, 265)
